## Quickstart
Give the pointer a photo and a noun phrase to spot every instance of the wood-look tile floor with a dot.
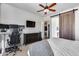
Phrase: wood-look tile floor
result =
(19, 53)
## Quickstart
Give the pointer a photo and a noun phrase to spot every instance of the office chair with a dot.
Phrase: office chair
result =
(14, 41)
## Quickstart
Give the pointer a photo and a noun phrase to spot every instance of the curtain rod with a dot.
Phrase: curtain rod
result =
(64, 12)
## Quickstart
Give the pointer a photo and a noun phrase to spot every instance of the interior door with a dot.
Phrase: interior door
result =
(66, 25)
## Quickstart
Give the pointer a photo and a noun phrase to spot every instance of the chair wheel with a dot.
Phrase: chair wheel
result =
(13, 54)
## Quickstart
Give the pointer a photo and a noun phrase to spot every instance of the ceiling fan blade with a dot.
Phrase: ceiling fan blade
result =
(52, 10)
(40, 10)
(53, 4)
(41, 5)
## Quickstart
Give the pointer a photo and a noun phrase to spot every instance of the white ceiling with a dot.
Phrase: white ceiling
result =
(34, 7)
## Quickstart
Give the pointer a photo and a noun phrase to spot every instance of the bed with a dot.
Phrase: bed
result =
(54, 47)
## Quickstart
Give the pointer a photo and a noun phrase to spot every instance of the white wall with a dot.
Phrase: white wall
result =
(77, 24)
(13, 15)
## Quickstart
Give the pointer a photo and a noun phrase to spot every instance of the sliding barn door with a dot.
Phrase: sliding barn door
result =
(66, 25)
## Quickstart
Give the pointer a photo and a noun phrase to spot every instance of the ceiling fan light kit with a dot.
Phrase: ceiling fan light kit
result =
(46, 10)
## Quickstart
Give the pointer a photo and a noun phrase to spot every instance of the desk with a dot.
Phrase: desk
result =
(3, 40)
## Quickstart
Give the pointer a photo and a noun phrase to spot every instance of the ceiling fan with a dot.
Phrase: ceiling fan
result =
(47, 8)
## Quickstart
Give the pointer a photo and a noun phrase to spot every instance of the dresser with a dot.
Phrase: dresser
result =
(32, 37)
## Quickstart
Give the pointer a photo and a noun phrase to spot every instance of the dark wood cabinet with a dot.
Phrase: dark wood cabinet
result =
(31, 37)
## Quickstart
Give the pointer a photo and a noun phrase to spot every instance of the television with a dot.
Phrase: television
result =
(30, 23)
